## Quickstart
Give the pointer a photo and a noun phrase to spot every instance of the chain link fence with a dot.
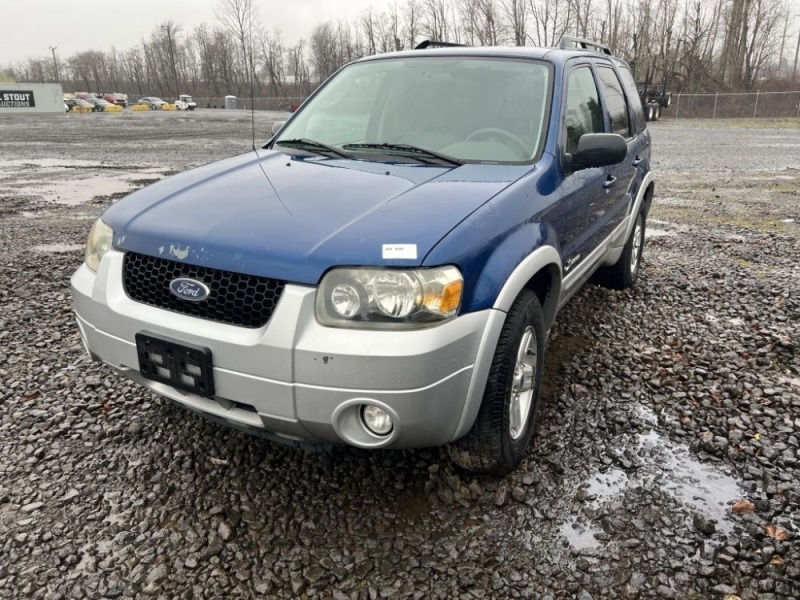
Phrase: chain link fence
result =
(734, 105)
(243, 102)
(684, 106)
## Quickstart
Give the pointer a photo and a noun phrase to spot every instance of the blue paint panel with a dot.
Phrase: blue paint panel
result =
(267, 214)
(491, 242)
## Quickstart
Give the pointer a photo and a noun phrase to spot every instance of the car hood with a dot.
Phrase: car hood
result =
(292, 218)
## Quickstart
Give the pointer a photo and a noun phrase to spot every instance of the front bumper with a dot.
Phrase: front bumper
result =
(296, 379)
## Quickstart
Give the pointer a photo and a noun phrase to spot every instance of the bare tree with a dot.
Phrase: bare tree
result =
(272, 55)
(693, 45)
(411, 21)
(368, 24)
(239, 18)
(324, 49)
(516, 15)
(298, 68)
(434, 20)
(551, 20)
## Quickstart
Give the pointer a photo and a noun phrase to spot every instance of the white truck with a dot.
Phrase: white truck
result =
(185, 102)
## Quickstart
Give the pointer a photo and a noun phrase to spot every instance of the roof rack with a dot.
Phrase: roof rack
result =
(568, 43)
(427, 44)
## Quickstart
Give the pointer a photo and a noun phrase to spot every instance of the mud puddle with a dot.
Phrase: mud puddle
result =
(74, 182)
(666, 466)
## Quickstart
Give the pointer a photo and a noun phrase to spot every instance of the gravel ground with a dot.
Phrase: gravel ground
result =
(666, 462)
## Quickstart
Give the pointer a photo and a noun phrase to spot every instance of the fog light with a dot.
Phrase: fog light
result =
(376, 419)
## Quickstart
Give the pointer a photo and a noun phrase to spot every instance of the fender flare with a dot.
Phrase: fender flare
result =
(545, 257)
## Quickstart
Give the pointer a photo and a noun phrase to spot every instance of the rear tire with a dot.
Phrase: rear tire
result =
(502, 431)
(625, 272)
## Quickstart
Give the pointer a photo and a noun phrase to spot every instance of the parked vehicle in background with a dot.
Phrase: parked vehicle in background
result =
(384, 272)
(654, 101)
(185, 102)
(98, 103)
(115, 99)
(153, 102)
(73, 102)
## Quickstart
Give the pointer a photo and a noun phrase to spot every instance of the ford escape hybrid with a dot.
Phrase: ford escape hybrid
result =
(384, 271)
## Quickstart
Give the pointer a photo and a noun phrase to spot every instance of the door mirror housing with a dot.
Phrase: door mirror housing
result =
(598, 150)
(276, 126)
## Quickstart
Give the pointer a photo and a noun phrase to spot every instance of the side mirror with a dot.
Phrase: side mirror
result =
(276, 126)
(599, 150)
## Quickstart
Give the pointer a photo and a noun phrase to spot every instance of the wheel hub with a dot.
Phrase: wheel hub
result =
(636, 250)
(521, 399)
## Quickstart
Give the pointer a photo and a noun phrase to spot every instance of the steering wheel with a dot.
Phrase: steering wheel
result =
(509, 138)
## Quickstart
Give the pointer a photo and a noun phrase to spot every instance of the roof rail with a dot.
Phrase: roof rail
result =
(427, 44)
(569, 43)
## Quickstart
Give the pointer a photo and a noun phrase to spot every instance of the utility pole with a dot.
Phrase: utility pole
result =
(783, 43)
(796, 52)
(55, 63)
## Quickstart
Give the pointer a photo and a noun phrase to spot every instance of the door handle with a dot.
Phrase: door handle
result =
(637, 161)
(609, 182)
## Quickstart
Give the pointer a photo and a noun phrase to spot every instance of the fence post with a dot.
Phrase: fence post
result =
(798, 107)
(755, 110)
(714, 113)
(678, 105)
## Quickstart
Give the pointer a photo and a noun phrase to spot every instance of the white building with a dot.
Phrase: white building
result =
(16, 98)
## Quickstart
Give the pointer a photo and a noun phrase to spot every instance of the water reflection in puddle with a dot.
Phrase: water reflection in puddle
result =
(654, 233)
(697, 485)
(58, 248)
(603, 486)
(581, 536)
(666, 466)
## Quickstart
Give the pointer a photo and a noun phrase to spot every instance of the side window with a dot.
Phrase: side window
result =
(583, 107)
(615, 101)
(633, 96)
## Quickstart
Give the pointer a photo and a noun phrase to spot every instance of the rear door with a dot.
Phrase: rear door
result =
(620, 177)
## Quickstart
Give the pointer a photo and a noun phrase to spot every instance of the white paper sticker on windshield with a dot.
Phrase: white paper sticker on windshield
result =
(407, 251)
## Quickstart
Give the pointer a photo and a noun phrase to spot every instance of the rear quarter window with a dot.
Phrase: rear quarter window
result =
(616, 105)
(629, 85)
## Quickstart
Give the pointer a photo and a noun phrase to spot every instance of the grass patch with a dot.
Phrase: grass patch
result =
(697, 216)
(761, 123)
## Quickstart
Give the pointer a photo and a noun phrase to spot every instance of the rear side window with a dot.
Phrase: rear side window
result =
(616, 105)
(635, 102)
(583, 107)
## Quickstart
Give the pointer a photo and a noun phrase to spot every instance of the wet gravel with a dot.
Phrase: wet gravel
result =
(667, 457)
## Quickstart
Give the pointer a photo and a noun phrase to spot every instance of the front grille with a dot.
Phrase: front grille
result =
(235, 299)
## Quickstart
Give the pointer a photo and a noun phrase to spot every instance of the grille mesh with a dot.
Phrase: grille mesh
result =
(235, 299)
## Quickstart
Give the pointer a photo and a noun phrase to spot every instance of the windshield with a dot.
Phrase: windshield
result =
(187, 98)
(471, 109)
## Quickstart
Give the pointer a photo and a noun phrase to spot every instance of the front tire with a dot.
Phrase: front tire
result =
(502, 431)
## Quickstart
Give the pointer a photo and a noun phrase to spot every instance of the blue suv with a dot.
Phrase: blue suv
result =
(384, 272)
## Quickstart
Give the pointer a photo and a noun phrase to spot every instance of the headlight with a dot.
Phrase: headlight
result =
(98, 244)
(376, 298)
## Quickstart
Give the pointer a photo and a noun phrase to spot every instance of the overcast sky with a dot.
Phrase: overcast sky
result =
(29, 27)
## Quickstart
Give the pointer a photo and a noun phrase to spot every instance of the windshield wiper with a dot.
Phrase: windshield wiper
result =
(406, 150)
(312, 146)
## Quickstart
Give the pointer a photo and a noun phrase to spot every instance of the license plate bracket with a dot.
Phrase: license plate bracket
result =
(184, 366)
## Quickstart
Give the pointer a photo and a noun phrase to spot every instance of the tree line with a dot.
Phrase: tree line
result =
(678, 45)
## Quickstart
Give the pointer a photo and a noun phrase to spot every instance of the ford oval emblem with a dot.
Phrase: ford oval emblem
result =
(189, 289)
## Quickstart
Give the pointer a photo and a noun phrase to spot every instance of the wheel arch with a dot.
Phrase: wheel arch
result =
(540, 272)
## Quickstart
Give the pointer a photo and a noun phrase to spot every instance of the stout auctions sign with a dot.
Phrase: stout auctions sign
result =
(18, 99)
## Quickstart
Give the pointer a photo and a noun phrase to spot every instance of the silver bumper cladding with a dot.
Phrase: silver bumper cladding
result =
(297, 379)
